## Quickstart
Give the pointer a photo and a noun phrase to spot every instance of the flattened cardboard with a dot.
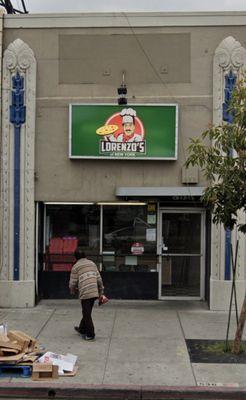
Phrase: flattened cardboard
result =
(73, 373)
(12, 359)
(10, 345)
(8, 352)
(16, 346)
(28, 360)
(27, 342)
(23, 342)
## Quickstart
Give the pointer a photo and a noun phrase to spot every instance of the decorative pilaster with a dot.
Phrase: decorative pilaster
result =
(17, 118)
(229, 62)
(18, 148)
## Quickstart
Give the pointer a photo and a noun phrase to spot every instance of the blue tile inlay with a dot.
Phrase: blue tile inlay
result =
(230, 82)
(17, 118)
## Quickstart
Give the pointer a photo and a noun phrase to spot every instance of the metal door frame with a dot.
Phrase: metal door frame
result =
(202, 254)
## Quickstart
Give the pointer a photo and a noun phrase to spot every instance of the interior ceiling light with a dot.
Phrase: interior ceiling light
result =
(121, 203)
(75, 203)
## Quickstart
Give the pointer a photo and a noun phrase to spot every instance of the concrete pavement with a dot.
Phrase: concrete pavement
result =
(137, 342)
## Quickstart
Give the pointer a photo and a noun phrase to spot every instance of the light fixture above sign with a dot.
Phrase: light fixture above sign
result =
(122, 91)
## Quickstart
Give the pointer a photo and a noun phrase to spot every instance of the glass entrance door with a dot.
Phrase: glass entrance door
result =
(181, 248)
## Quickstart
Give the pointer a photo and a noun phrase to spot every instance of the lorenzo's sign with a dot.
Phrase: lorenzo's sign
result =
(130, 132)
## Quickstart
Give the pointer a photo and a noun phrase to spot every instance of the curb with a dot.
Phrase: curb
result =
(116, 392)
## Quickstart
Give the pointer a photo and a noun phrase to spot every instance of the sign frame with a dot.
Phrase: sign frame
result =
(81, 157)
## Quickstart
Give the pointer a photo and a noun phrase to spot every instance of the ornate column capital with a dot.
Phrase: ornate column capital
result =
(18, 55)
(230, 55)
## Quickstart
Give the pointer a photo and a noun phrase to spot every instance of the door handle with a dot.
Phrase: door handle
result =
(162, 247)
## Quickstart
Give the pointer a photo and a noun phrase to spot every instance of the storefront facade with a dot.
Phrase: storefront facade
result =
(72, 177)
(126, 240)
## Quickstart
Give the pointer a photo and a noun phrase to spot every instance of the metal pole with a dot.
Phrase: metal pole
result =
(233, 291)
(234, 266)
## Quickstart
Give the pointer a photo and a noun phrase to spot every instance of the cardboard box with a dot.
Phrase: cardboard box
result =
(29, 359)
(26, 342)
(16, 346)
(44, 371)
(10, 345)
(8, 351)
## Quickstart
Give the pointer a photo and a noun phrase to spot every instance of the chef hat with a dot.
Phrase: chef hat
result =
(128, 111)
(127, 119)
(128, 115)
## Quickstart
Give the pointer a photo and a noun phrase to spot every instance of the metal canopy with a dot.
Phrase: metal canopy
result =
(189, 191)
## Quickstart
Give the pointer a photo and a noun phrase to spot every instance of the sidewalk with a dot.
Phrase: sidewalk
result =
(137, 342)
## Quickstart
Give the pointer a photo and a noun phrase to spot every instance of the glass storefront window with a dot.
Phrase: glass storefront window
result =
(128, 245)
(69, 226)
(128, 241)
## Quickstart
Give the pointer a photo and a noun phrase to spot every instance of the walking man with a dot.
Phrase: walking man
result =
(86, 280)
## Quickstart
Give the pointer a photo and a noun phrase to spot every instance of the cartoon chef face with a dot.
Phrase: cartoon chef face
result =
(128, 124)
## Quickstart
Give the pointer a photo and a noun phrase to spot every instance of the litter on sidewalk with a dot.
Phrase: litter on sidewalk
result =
(17, 346)
(66, 363)
(21, 356)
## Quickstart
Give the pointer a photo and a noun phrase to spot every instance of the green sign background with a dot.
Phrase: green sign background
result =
(160, 124)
